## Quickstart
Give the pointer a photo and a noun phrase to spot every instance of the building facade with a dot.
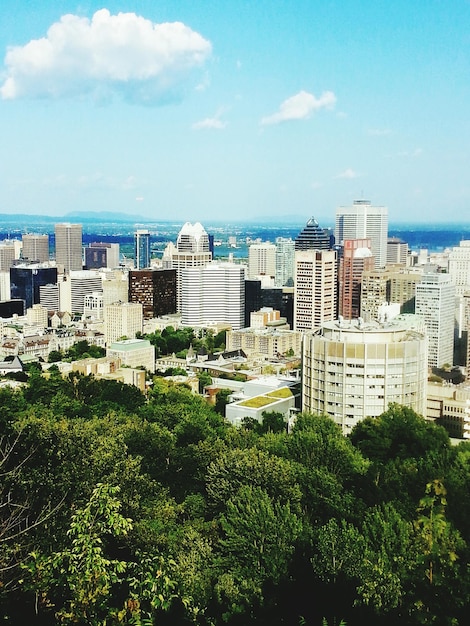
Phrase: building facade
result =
(353, 370)
(435, 302)
(35, 248)
(213, 294)
(356, 258)
(122, 319)
(315, 288)
(155, 290)
(141, 249)
(68, 247)
(364, 221)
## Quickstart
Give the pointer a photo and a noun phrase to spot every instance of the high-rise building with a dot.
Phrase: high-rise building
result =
(435, 302)
(397, 251)
(315, 288)
(8, 254)
(459, 267)
(261, 260)
(27, 278)
(312, 237)
(141, 249)
(122, 319)
(213, 294)
(375, 292)
(75, 286)
(192, 250)
(155, 290)
(364, 221)
(353, 370)
(68, 247)
(35, 248)
(99, 255)
(357, 258)
(285, 262)
(115, 287)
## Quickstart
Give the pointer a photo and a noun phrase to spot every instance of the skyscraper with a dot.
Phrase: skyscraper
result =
(155, 290)
(435, 301)
(35, 248)
(68, 246)
(261, 260)
(285, 260)
(141, 249)
(357, 257)
(312, 237)
(213, 294)
(192, 250)
(363, 221)
(27, 278)
(315, 288)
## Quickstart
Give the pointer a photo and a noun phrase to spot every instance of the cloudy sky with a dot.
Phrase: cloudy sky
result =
(205, 109)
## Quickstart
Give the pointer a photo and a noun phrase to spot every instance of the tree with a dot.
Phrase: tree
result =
(79, 579)
(258, 540)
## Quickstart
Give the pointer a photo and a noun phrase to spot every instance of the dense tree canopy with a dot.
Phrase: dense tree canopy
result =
(117, 508)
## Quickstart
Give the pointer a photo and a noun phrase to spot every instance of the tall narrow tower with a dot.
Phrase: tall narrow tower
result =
(68, 246)
(315, 288)
(363, 221)
(141, 249)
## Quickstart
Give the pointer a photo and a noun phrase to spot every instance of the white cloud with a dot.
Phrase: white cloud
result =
(209, 122)
(347, 174)
(300, 107)
(122, 54)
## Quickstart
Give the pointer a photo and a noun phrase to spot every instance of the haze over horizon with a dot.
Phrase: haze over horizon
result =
(198, 111)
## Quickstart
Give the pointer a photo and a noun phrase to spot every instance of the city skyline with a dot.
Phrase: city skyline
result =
(197, 111)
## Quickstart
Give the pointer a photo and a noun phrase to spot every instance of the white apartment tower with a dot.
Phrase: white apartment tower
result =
(435, 302)
(68, 246)
(213, 294)
(364, 221)
(315, 288)
(353, 370)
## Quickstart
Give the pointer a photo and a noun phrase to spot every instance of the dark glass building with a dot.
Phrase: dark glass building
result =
(155, 290)
(25, 281)
(312, 237)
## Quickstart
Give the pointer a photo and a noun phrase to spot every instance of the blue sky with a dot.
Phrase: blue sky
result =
(231, 110)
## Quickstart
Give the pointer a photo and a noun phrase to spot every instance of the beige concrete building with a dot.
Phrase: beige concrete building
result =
(449, 405)
(122, 319)
(134, 353)
(264, 342)
(315, 288)
(353, 370)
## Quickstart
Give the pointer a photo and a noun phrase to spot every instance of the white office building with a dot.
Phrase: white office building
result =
(364, 221)
(192, 250)
(353, 370)
(213, 294)
(435, 302)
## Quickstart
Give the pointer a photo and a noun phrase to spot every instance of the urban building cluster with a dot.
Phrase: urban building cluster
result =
(370, 321)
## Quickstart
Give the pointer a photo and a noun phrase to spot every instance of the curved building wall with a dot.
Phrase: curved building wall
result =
(350, 374)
